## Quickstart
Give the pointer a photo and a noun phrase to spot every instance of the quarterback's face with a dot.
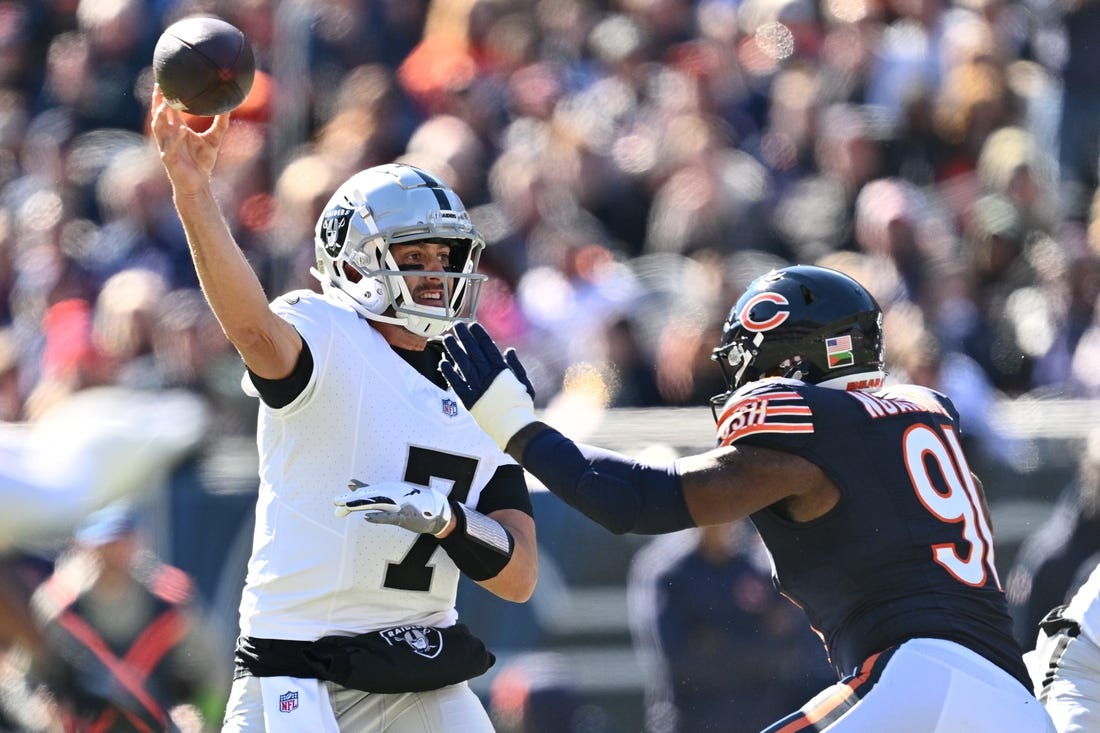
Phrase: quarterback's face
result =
(430, 257)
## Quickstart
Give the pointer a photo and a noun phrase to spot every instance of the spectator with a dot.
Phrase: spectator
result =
(685, 126)
(1054, 559)
(536, 693)
(124, 636)
(920, 358)
(723, 651)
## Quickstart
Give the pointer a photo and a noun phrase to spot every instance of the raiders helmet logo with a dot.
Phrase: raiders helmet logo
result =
(753, 322)
(424, 640)
(334, 229)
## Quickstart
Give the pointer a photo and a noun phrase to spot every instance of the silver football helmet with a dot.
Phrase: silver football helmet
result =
(396, 204)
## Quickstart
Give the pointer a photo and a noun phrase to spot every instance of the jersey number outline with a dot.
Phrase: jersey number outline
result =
(413, 572)
(959, 504)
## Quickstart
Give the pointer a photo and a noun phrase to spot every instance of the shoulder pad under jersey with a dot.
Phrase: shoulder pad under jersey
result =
(765, 406)
(925, 397)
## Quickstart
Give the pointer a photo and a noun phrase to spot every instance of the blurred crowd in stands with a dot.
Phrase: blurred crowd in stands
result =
(631, 163)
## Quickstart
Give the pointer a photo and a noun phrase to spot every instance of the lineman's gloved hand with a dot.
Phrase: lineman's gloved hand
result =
(419, 509)
(494, 387)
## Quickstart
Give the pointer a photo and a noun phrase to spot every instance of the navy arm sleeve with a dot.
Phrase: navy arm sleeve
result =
(612, 490)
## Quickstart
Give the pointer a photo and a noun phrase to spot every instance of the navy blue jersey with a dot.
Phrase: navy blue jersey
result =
(907, 552)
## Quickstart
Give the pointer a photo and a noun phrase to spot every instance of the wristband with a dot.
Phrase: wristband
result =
(479, 545)
(504, 409)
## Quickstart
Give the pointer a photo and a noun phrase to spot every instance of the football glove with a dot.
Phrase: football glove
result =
(419, 509)
(494, 387)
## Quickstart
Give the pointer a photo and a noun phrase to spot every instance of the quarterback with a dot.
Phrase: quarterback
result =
(350, 625)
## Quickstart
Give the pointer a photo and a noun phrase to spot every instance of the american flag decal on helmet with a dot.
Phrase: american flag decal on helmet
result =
(773, 408)
(839, 351)
(450, 407)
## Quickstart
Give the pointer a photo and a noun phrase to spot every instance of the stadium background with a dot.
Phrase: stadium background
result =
(633, 163)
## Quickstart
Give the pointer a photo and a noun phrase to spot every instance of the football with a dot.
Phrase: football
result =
(204, 66)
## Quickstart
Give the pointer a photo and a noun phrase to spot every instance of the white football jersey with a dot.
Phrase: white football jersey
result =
(1084, 607)
(366, 416)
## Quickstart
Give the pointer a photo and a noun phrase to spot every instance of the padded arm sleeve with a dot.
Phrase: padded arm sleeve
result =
(612, 490)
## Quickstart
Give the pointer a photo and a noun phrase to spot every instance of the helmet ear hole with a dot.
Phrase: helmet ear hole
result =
(351, 273)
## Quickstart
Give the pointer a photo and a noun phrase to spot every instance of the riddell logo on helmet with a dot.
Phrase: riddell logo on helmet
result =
(780, 315)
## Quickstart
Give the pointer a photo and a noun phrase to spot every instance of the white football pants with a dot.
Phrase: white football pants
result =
(293, 705)
(925, 686)
(1066, 672)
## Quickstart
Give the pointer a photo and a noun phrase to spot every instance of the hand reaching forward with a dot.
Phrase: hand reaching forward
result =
(188, 156)
(493, 386)
(419, 509)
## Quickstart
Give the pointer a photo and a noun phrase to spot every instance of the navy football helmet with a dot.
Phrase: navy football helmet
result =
(803, 322)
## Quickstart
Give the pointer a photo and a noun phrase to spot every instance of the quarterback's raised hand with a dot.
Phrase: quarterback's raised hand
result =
(188, 156)
(419, 509)
(493, 386)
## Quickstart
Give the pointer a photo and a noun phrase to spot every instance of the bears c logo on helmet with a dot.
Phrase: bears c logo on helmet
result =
(745, 317)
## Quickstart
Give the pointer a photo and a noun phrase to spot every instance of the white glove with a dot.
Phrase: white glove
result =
(505, 409)
(419, 509)
(493, 386)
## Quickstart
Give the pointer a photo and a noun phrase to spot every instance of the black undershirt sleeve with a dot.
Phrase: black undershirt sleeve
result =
(507, 489)
(278, 393)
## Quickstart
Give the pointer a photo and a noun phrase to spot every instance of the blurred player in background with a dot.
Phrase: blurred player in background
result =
(723, 650)
(97, 445)
(353, 410)
(862, 495)
(1065, 664)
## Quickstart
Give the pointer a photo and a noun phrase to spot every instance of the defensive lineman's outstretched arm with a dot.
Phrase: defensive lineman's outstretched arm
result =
(617, 492)
(269, 345)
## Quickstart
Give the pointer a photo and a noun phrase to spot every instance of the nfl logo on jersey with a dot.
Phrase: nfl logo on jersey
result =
(288, 702)
(450, 408)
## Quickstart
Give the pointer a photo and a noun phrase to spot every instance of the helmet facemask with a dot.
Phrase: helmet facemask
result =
(460, 283)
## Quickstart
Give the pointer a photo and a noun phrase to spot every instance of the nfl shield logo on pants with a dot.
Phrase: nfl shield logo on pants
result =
(288, 702)
(450, 407)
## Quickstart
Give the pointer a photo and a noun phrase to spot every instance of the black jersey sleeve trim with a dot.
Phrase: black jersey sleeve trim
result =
(278, 393)
(507, 489)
